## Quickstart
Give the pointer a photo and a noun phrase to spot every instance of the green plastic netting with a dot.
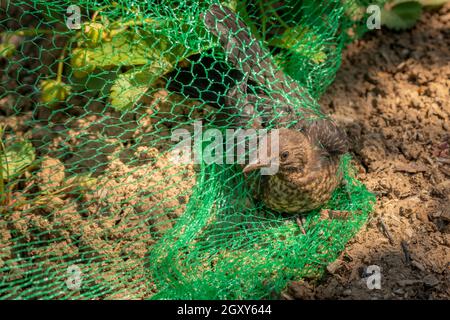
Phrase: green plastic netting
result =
(91, 205)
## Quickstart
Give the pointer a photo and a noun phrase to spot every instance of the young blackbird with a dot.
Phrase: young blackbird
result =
(310, 144)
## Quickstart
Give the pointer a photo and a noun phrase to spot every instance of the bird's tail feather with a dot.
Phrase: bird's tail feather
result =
(246, 53)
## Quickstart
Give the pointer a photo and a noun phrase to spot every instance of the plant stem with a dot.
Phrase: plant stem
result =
(2, 181)
(96, 13)
(264, 20)
(137, 22)
(29, 32)
(113, 5)
(248, 20)
(284, 24)
(61, 63)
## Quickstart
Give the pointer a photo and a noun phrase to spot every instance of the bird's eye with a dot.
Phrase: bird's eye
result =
(284, 155)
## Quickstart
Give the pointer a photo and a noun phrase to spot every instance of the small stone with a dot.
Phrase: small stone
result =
(53, 204)
(405, 212)
(416, 102)
(409, 233)
(404, 53)
(408, 282)
(418, 265)
(51, 174)
(422, 216)
(301, 290)
(445, 215)
(399, 291)
(347, 292)
(430, 280)
(334, 266)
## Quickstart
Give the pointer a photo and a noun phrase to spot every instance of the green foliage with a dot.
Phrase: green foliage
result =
(131, 85)
(7, 50)
(16, 158)
(124, 49)
(149, 54)
(433, 3)
(404, 14)
(54, 92)
(296, 40)
(92, 33)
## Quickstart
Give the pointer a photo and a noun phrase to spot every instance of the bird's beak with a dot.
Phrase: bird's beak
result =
(255, 166)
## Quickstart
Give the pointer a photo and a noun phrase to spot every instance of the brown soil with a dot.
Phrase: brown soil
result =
(392, 94)
(95, 200)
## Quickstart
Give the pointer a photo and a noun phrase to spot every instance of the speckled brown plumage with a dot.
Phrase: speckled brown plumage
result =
(306, 177)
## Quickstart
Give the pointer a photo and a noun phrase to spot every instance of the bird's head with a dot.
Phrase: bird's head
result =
(303, 152)
(293, 155)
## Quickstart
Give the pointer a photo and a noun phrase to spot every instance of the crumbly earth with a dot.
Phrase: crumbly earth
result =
(103, 192)
(392, 94)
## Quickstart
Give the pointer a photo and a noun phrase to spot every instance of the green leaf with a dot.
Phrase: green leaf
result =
(125, 49)
(401, 16)
(161, 58)
(232, 4)
(130, 86)
(149, 54)
(16, 158)
(7, 50)
(433, 2)
(296, 40)
(99, 81)
(291, 38)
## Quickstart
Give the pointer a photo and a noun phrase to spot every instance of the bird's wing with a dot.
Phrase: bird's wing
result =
(246, 53)
(327, 135)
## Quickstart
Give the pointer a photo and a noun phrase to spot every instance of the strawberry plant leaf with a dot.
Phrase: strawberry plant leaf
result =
(125, 49)
(130, 86)
(16, 158)
(232, 4)
(296, 40)
(99, 81)
(402, 15)
(433, 3)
